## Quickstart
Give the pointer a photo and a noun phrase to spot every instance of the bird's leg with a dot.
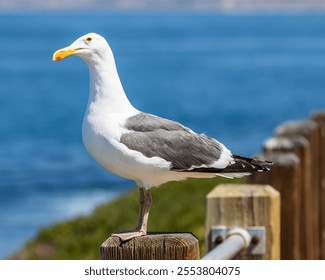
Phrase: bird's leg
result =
(145, 204)
(142, 200)
(145, 209)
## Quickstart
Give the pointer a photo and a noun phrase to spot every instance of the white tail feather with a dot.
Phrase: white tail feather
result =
(233, 175)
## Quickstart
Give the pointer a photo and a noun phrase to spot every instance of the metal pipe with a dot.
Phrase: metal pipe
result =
(236, 241)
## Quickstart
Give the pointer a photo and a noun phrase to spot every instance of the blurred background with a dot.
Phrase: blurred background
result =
(230, 69)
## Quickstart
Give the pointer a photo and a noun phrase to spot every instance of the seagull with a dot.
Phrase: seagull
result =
(139, 146)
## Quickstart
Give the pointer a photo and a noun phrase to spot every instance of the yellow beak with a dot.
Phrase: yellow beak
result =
(63, 53)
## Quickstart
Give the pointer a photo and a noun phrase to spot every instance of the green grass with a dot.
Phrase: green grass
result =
(177, 207)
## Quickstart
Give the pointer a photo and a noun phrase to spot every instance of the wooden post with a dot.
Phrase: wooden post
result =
(285, 177)
(319, 118)
(154, 246)
(310, 130)
(234, 205)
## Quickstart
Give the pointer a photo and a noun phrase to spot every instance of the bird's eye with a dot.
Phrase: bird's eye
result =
(88, 39)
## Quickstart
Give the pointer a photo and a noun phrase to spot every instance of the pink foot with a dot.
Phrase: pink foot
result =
(124, 236)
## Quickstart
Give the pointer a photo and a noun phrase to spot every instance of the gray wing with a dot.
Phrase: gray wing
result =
(146, 122)
(157, 137)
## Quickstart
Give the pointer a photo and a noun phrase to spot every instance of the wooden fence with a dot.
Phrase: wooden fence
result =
(298, 152)
(228, 205)
(294, 230)
(247, 207)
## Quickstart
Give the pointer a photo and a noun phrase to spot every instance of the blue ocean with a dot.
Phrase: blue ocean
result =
(234, 77)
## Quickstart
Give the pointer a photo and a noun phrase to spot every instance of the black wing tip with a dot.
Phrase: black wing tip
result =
(255, 164)
(240, 165)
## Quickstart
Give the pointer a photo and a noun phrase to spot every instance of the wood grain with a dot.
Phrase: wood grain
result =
(154, 246)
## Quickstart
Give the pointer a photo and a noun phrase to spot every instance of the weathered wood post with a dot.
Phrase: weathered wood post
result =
(285, 177)
(319, 118)
(233, 205)
(310, 130)
(154, 246)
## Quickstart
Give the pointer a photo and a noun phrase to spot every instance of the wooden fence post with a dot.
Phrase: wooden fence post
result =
(319, 118)
(310, 130)
(234, 205)
(154, 246)
(285, 177)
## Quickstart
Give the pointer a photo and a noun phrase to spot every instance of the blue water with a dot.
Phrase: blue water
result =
(233, 77)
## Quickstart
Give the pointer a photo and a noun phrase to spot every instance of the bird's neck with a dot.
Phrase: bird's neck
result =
(106, 91)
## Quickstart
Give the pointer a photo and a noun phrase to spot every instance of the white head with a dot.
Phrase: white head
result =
(91, 47)
(105, 83)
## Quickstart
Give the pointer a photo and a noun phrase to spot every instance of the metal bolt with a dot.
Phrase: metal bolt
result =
(218, 240)
(255, 240)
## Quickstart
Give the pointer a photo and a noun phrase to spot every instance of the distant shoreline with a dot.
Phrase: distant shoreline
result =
(196, 5)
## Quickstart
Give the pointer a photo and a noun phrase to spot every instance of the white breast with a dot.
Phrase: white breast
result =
(102, 143)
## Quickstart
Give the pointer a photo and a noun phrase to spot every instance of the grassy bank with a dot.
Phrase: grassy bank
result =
(177, 207)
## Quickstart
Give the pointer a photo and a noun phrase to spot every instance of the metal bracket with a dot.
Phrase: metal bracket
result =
(258, 237)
